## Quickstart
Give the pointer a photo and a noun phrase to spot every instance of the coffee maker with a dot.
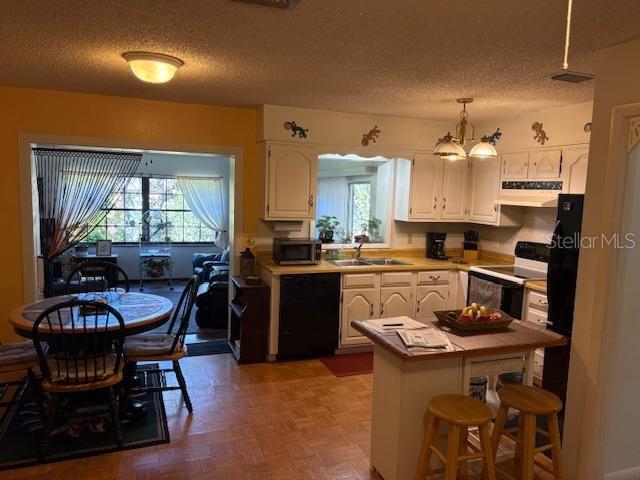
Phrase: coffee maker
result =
(435, 245)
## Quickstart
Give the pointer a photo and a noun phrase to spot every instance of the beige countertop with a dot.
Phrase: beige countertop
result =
(536, 285)
(517, 337)
(415, 263)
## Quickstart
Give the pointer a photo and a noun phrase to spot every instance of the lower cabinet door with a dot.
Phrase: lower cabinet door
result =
(396, 301)
(430, 298)
(361, 304)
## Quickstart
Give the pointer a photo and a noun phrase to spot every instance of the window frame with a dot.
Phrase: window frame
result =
(145, 194)
(390, 156)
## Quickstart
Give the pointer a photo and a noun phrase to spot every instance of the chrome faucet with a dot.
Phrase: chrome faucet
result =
(358, 250)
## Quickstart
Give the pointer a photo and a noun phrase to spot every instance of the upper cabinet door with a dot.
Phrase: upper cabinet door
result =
(485, 175)
(426, 186)
(545, 164)
(515, 166)
(291, 182)
(454, 189)
(574, 162)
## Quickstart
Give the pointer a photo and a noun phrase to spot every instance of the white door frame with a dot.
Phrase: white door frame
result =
(592, 338)
(28, 189)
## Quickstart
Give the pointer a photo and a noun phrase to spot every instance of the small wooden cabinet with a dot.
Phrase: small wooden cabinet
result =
(418, 188)
(574, 171)
(485, 186)
(454, 190)
(545, 164)
(535, 313)
(429, 299)
(249, 323)
(515, 165)
(360, 304)
(290, 177)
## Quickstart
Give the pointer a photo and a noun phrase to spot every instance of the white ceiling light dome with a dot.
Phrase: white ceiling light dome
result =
(153, 67)
(483, 149)
(448, 149)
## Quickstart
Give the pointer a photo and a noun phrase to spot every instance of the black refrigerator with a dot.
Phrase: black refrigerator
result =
(561, 289)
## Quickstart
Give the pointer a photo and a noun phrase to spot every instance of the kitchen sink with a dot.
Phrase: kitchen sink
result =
(385, 261)
(351, 263)
(369, 262)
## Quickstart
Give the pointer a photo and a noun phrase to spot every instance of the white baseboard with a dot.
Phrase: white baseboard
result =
(627, 474)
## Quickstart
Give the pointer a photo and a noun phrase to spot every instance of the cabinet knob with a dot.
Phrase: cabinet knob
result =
(381, 308)
(371, 310)
(311, 200)
(543, 302)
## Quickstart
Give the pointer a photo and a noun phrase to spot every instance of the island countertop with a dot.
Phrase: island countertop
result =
(517, 337)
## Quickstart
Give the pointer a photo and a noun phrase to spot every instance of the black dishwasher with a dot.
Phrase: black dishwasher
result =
(309, 315)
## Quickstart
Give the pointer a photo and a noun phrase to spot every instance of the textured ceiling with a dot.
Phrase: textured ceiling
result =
(398, 57)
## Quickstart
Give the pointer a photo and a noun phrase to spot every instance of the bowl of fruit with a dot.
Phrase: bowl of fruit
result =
(474, 317)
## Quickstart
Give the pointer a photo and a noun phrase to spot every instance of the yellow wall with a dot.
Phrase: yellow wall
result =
(63, 113)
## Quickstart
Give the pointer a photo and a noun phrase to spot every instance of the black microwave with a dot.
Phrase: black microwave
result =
(297, 251)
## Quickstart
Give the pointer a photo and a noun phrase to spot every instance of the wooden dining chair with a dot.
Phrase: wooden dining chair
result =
(18, 361)
(85, 353)
(170, 346)
(97, 276)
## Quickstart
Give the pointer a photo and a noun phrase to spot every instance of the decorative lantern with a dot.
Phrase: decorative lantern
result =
(247, 264)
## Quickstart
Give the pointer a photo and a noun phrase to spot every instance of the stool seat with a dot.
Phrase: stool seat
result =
(530, 400)
(460, 410)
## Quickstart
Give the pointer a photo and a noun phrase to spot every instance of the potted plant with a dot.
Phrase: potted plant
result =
(326, 226)
(373, 229)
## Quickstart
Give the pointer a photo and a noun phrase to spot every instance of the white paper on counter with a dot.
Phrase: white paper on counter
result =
(393, 324)
(425, 340)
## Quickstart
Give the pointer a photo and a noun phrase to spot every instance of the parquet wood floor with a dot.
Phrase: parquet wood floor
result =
(284, 421)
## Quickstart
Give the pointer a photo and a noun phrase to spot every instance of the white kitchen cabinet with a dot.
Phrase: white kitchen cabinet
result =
(357, 304)
(290, 182)
(430, 298)
(419, 188)
(454, 190)
(574, 169)
(545, 164)
(485, 181)
(515, 165)
(535, 313)
(397, 301)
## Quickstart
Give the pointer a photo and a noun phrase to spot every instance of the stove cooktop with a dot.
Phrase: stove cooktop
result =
(518, 272)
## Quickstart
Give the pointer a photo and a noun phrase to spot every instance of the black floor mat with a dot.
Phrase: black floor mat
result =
(214, 347)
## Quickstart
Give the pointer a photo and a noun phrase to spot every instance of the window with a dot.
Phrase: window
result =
(353, 198)
(167, 215)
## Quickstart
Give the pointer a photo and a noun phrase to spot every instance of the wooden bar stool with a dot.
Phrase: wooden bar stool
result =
(460, 412)
(530, 402)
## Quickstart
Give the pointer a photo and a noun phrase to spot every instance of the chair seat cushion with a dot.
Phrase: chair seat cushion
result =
(82, 372)
(149, 344)
(17, 353)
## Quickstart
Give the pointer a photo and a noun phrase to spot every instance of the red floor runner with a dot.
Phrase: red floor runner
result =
(349, 364)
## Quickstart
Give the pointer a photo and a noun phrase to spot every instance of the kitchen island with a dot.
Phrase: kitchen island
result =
(404, 382)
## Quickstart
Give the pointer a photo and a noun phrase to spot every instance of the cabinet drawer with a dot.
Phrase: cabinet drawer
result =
(538, 300)
(395, 279)
(433, 277)
(361, 280)
(536, 317)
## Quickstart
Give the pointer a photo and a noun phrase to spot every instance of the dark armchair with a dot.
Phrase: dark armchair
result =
(203, 263)
(212, 301)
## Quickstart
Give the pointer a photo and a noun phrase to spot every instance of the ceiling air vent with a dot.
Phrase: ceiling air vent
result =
(571, 77)
(282, 4)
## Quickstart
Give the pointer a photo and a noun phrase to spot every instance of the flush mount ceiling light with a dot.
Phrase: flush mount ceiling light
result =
(451, 148)
(152, 67)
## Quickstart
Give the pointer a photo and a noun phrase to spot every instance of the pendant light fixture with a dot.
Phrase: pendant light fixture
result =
(451, 148)
(152, 67)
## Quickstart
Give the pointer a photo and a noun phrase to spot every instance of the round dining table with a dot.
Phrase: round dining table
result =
(141, 312)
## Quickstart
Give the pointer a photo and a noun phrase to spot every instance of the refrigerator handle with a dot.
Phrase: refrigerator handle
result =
(553, 261)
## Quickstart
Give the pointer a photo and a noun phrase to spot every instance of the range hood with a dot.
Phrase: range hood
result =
(549, 201)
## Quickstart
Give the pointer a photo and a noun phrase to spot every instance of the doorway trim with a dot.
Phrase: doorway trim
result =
(29, 197)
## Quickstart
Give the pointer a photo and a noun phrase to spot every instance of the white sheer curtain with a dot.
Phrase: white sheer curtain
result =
(208, 202)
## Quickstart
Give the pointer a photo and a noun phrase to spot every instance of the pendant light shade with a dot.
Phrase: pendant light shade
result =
(483, 149)
(152, 67)
(450, 150)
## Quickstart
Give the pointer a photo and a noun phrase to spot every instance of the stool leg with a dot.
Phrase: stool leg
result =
(430, 436)
(517, 457)
(528, 446)
(498, 427)
(464, 447)
(489, 469)
(556, 450)
(453, 449)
